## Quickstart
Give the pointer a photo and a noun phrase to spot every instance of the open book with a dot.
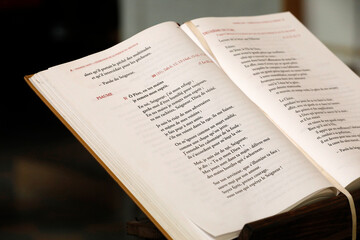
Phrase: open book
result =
(215, 123)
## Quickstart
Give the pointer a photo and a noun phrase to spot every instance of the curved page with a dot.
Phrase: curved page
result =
(171, 126)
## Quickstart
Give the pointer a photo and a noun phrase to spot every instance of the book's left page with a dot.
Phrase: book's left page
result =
(189, 147)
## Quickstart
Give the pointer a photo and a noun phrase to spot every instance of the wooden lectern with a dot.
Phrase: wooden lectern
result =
(326, 220)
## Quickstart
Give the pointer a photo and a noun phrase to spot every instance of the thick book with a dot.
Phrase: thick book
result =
(215, 123)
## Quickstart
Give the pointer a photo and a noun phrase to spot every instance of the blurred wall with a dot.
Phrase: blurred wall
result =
(336, 24)
(136, 15)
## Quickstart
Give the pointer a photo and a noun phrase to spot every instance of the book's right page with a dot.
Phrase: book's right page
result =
(304, 89)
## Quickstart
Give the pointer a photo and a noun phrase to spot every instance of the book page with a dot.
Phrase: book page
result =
(185, 141)
(309, 93)
(202, 45)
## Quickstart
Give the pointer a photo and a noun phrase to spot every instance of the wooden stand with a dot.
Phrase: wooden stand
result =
(329, 219)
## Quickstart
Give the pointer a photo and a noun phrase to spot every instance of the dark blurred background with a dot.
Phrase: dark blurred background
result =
(50, 186)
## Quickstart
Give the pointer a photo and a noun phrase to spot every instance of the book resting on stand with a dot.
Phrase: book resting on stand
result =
(215, 123)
